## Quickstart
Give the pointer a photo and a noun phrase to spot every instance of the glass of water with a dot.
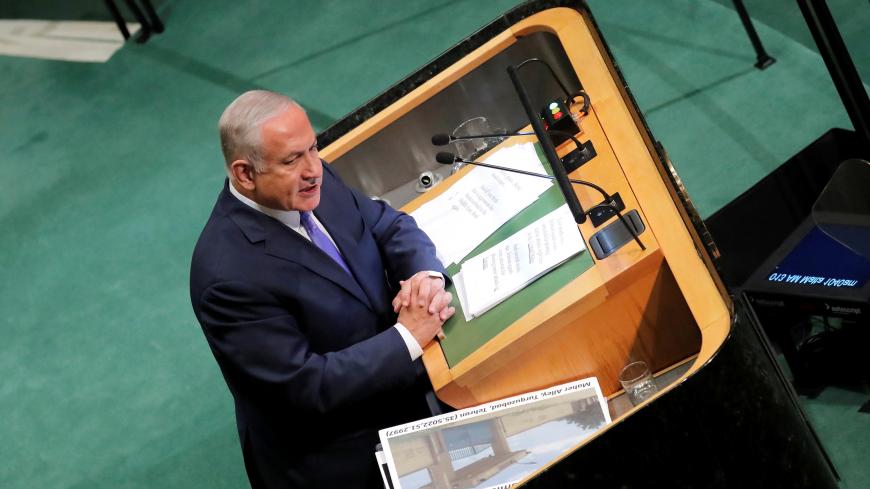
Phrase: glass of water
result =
(638, 382)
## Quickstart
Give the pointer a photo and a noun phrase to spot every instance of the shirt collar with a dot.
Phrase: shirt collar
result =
(288, 218)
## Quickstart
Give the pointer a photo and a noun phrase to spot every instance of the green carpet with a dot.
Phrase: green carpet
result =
(107, 381)
(724, 123)
(850, 16)
(844, 432)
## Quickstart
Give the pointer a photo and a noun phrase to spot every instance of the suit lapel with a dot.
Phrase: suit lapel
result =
(289, 245)
(282, 242)
(350, 250)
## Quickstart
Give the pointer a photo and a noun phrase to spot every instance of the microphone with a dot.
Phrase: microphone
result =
(442, 139)
(447, 158)
(572, 161)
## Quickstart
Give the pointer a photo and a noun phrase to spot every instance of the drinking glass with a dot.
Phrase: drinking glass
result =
(638, 382)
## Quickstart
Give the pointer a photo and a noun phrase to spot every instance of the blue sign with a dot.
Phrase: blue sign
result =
(820, 260)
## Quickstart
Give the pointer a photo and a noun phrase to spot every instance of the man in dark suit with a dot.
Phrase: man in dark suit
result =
(316, 302)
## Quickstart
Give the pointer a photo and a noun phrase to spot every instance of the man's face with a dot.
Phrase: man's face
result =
(292, 171)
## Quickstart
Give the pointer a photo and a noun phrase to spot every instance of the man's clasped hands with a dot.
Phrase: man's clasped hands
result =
(423, 306)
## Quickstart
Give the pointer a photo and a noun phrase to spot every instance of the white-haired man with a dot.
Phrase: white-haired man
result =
(315, 300)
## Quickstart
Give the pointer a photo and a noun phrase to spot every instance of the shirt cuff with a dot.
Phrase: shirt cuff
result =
(434, 274)
(413, 347)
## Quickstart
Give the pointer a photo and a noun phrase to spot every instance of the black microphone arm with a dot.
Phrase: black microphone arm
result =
(552, 74)
(442, 139)
(447, 158)
(549, 149)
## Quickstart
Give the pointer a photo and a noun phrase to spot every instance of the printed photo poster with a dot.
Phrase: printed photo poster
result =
(494, 445)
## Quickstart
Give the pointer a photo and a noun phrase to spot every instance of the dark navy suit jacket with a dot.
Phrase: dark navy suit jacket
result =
(309, 352)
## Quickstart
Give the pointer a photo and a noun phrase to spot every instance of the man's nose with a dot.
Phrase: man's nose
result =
(312, 164)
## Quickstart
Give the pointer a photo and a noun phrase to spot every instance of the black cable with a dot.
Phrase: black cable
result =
(569, 98)
(586, 101)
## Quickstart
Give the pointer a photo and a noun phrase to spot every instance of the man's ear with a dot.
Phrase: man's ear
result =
(243, 173)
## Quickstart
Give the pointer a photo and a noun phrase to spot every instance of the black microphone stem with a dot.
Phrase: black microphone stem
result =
(549, 149)
(497, 135)
(504, 168)
(608, 200)
(533, 174)
(552, 73)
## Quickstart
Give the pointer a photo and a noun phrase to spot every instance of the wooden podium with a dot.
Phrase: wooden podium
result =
(664, 305)
(661, 305)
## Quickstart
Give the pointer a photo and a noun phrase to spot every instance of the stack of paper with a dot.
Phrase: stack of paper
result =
(494, 275)
(483, 200)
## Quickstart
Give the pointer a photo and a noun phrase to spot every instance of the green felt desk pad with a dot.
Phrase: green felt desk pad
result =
(464, 337)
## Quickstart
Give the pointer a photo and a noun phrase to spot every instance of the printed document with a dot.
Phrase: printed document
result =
(479, 203)
(493, 445)
(503, 270)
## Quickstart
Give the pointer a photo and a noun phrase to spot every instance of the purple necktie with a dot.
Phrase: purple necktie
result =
(321, 240)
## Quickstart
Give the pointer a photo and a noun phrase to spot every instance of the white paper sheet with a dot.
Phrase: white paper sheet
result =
(483, 200)
(503, 270)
